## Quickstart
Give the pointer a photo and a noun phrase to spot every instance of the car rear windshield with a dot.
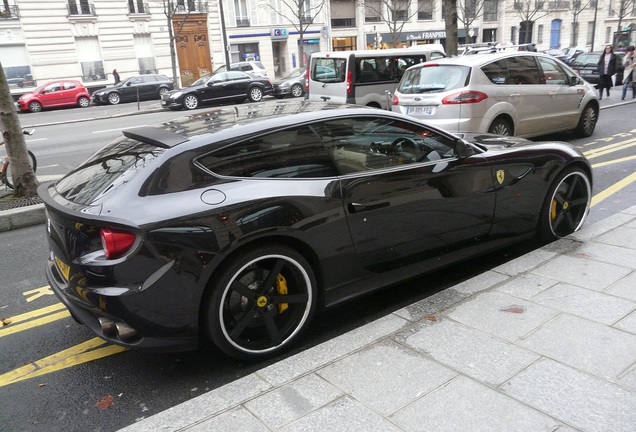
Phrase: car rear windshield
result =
(110, 167)
(586, 59)
(434, 78)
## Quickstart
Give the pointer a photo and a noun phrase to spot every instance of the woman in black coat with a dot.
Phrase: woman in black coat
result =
(606, 68)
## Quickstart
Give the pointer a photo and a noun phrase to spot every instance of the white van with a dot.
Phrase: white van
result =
(363, 77)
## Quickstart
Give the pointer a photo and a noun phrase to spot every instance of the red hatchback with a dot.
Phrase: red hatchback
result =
(55, 94)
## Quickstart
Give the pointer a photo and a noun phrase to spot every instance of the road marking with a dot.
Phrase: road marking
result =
(37, 139)
(37, 293)
(613, 161)
(601, 151)
(613, 189)
(90, 350)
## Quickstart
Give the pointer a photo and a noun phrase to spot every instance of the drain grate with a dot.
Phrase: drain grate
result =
(9, 202)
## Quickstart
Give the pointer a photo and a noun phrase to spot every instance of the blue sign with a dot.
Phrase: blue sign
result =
(279, 33)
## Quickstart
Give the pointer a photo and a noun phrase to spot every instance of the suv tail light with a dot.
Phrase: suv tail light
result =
(394, 100)
(349, 81)
(465, 97)
(116, 243)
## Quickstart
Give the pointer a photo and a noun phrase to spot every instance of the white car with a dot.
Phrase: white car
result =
(521, 93)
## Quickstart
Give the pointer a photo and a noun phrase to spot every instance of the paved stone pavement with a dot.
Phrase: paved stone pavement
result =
(546, 342)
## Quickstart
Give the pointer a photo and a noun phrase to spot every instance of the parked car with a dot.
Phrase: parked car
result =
(238, 223)
(53, 94)
(251, 66)
(508, 93)
(585, 64)
(570, 53)
(221, 87)
(292, 85)
(139, 87)
(15, 82)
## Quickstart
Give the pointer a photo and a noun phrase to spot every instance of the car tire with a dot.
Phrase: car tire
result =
(83, 102)
(566, 205)
(297, 90)
(35, 106)
(162, 91)
(113, 98)
(587, 122)
(252, 313)
(190, 102)
(500, 127)
(255, 94)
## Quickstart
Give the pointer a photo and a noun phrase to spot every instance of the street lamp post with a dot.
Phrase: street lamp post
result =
(226, 47)
(594, 24)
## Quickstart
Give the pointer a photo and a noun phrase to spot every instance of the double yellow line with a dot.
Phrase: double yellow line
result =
(90, 350)
(605, 150)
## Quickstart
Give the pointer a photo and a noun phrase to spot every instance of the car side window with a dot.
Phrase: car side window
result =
(55, 87)
(523, 70)
(497, 71)
(69, 85)
(291, 153)
(552, 73)
(364, 144)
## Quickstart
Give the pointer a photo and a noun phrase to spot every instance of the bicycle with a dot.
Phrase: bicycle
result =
(5, 170)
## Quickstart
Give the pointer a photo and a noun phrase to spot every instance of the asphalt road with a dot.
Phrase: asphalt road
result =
(55, 375)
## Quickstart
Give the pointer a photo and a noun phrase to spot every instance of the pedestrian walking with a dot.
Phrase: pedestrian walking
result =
(116, 76)
(628, 75)
(606, 68)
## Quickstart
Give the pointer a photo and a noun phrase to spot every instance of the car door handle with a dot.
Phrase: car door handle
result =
(355, 207)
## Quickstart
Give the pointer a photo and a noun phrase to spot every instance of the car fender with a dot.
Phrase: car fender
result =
(498, 109)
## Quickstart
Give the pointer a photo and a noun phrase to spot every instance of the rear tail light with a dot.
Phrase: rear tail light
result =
(395, 101)
(307, 79)
(349, 81)
(116, 243)
(465, 97)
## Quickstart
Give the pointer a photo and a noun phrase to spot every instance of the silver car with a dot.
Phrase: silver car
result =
(524, 94)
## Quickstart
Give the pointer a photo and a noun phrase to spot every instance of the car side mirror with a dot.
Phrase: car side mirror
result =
(577, 80)
(462, 148)
(128, 84)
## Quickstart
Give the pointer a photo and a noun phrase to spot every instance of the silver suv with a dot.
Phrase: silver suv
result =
(508, 93)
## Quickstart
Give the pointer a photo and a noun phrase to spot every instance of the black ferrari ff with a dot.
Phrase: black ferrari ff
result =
(236, 224)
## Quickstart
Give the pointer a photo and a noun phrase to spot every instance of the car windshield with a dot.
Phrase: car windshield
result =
(203, 80)
(434, 78)
(295, 73)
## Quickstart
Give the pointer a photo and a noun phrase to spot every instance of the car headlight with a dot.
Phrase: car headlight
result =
(175, 95)
(284, 85)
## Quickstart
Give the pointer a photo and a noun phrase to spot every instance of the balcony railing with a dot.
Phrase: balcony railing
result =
(242, 22)
(343, 22)
(12, 13)
(76, 9)
(192, 6)
(135, 7)
(560, 4)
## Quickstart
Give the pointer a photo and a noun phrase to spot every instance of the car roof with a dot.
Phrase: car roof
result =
(480, 58)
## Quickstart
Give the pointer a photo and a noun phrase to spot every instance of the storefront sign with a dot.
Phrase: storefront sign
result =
(279, 33)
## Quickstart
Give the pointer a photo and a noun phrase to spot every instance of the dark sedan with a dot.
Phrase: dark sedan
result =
(292, 85)
(237, 224)
(140, 87)
(222, 87)
(585, 64)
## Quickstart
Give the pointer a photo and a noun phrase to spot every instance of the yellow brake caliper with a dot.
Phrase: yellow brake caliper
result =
(553, 209)
(281, 289)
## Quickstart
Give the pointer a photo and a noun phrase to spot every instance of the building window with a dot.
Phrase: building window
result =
(15, 62)
(373, 11)
(590, 32)
(608, 35)
(90, 59)
(425, 11)
(137, 7)
(242, 14)
(490, 10)
(540, 34)
(513, 35)
(80, 7)
(145, 53)
(489, 35)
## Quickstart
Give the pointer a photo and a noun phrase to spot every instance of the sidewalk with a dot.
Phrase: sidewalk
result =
(546, 342)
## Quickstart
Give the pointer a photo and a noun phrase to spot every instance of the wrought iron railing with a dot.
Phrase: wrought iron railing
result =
(192, 6)
(80, 8)
(137, 7)
(12, 13)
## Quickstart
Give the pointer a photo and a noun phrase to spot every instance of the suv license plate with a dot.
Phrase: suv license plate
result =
(421, 110)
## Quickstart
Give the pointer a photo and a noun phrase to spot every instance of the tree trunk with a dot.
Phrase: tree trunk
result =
(24, 181)
(451, 27)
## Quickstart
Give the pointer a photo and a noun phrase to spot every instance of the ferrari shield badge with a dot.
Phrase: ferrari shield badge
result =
(500, 176)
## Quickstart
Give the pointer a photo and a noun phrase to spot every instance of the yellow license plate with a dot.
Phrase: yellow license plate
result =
(64, 268)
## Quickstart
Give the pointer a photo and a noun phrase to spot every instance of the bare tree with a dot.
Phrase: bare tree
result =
(450, 25)
(529, 11)
(625, 9)
(300, 14)
(467, 13)
(393, 13)
(24, 181)
(577, 7)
